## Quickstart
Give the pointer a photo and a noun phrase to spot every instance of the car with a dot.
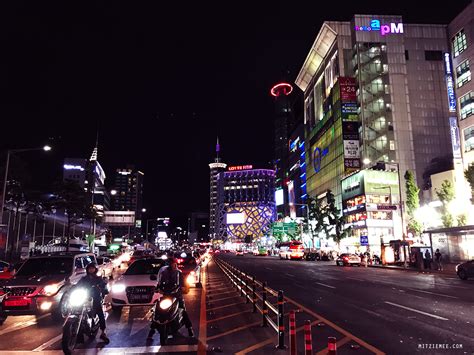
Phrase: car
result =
(239, 252)
(190, 267)
(347, 259)
(136, 286)
(291, 250)
(465, 270)
(41, 282)
(106, 267)
(260, 251)
(140, 254)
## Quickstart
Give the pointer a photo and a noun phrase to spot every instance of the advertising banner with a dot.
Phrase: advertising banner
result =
(455, 141)
(348, 89)
(449, 82)
(350, 135)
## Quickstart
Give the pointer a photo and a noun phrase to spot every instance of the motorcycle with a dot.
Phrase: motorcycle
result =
(80, 319)
(3, 296)
(167, 316)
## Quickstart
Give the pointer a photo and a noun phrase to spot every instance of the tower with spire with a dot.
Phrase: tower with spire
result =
(215, 169)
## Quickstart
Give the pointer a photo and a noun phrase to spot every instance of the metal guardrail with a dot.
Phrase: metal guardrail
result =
(257, 292)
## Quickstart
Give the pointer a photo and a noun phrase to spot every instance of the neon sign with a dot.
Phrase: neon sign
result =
(449, 83)
(318, 155)
(73, 167)
(384, 29)
(240, 167)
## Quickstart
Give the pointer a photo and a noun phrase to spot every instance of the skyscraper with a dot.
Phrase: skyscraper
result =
(215, 168)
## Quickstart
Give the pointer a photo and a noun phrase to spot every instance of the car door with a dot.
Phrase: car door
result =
(470, 268)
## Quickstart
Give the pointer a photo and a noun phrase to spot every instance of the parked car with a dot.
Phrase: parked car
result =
(106, 267)
(41, 282)
(348, 260)
(312, 256)
(136, 286)
(465, 270)
(190, 267)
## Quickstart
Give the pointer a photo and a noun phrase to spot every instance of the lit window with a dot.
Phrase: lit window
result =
(463, 73)
(466, 103)
(459, 43)
(469, 139)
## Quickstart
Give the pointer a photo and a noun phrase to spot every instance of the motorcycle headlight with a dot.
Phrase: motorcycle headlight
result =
(165, 304)
(117, 288)
(190, 279)
(50, 290)
(78, 297)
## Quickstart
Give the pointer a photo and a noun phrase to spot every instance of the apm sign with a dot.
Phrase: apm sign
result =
(384, 29)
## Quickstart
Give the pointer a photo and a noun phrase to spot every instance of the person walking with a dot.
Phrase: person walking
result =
(438, 259)
(427, 259)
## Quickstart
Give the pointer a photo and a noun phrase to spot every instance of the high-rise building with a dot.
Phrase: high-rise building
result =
(246, 202)
(74, 169)
(374, 91)
(458, 77)
(296, 174)
(128, 195)
(283, 118)
(215, 169)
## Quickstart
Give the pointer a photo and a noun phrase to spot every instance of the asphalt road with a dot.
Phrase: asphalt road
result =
(397, 311)
(127, 331)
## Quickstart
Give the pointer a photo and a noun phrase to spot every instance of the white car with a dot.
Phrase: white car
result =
(106, 267)
(136, 286)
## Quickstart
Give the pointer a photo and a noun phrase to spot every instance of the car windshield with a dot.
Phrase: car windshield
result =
(46, 266)
(144, 267)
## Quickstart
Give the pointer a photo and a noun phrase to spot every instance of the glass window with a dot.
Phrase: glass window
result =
(466, 104)
(459, 43)
(434, 55)
(463, 73)
(469, 139)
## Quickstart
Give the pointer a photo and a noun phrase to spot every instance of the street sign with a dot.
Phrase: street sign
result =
(364, 240)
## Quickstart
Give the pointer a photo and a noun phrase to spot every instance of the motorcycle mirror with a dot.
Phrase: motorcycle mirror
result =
(153, 278)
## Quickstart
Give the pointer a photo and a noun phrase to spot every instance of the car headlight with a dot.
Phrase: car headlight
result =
(117, 288)
(190, 279)
(78, 297)
(50, 290)
(457, 267)
(165, 304)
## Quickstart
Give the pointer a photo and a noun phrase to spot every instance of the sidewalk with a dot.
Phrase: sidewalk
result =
(448, 269)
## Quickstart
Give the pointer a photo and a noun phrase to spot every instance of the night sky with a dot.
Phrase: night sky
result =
(160, 81)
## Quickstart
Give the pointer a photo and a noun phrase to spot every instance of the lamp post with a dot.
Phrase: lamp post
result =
(46, 148)
(146, 231)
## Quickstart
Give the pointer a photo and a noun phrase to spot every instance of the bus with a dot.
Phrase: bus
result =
(291, 250)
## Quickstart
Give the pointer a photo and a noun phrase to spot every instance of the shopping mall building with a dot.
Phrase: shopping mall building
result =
(375, 93)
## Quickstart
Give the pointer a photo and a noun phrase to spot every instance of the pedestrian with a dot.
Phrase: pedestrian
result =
(438, 258)
(419, 260)
(427, 259)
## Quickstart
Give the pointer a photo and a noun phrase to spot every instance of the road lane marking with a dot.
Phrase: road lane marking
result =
(329, 286)
(49, 343)
(290, 275)
(433, 293)
(339, 343)
(22, 325)
(355, 278)
(227, 305)
(268, 268)
(224, 298)
(235, 330)
(131, 350)
(416, 310)
(202, 346)
(228, 316)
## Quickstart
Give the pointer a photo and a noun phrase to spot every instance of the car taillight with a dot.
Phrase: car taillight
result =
(345, 258)
(179, 261)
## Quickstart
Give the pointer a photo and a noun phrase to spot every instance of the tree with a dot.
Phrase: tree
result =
(317, 215)
(462, 220)
(413, 202)
(337, 221)
(446, 195)
(469, 175)
(74, 201)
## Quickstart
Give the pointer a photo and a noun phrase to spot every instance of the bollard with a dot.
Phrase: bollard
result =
(332, 347)
(308, 343)
(293, 346)
(281, 321)
(264, 305)
(254, 296)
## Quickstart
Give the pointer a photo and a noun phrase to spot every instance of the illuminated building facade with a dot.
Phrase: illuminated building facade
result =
(296, 174)
(128, 197)
(215, 169)
(371, 204)
(385, 78)
(246, 202)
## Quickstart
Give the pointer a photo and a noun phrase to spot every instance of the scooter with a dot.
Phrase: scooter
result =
(167, 317)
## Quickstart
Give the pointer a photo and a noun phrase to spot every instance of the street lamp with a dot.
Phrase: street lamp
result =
(113, 192)
(143, 210)
(45, 148)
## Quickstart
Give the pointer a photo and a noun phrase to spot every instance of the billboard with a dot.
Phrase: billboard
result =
(348, 89)
(455, 141)
(119, 218)
(449, 83)
(279, 197)
(235, 218)
(350, 136)
(291, 199)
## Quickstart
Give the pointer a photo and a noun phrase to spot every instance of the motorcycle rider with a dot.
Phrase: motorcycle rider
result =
(173, 276)
(98, 288)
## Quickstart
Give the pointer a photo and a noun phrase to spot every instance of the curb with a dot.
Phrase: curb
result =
(413, 270)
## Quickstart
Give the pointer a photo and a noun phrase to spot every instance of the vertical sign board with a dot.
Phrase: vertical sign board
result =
(449, 82)
(350, 124)
(364, 240)
(3, 240)
(455, 140)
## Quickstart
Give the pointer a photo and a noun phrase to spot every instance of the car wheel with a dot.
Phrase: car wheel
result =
(462, 274)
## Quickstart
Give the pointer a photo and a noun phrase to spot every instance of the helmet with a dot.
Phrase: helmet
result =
(94, 265)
